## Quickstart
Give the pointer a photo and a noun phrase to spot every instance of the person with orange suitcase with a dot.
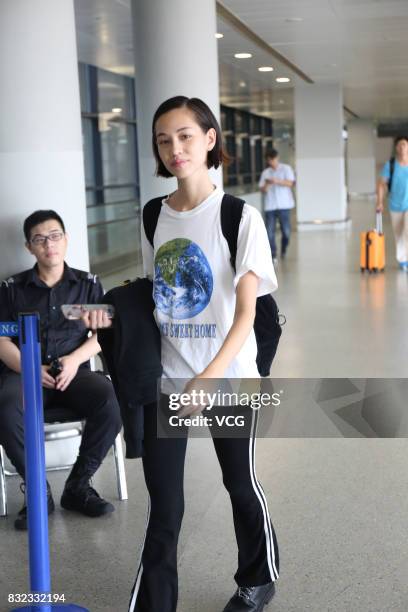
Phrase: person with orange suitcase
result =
(394, 181)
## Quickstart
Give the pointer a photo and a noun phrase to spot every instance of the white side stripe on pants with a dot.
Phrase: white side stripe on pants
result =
(139, 573)
(270, 548)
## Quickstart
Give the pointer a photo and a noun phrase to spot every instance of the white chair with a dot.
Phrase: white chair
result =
(62, 424)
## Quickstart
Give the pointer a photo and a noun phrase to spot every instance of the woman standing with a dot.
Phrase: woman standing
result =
(196, 286)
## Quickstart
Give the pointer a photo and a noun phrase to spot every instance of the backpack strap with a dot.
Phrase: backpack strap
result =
(231, 213)
(392, 167)
(151, 212)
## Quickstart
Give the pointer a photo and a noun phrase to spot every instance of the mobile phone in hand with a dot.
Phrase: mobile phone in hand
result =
(75, 311)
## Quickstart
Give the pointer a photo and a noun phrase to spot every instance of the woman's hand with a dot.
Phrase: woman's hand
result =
(198, 388)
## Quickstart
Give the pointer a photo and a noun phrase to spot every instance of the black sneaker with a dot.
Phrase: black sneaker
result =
(86, 501)
(21, 521)
(251, 599)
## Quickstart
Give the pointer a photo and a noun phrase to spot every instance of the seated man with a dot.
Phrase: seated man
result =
(65, 345)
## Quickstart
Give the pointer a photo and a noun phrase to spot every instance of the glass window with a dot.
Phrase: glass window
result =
(256, 123)
(87, 145)
(111, 171)
(231, 169)
(227, 119)
(118, 152)
(267, 127)
(245, 125)
(259, 160)
(90, 197)
(84, 88)
(245, 158)
(115, 91)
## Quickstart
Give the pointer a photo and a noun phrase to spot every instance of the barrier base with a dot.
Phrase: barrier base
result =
(48, 607)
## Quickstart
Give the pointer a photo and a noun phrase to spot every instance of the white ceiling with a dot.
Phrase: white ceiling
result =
(361, 43)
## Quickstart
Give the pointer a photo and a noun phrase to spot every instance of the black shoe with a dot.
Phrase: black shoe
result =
(85, 500)
(251, 599)
(21, 520)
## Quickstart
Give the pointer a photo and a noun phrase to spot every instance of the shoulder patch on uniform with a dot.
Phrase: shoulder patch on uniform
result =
(92, 278)
(7, 281)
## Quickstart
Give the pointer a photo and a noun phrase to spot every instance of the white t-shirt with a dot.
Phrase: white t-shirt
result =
(278, 197)
(194, 284)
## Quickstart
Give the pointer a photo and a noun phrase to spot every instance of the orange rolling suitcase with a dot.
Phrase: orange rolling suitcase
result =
(372, 248)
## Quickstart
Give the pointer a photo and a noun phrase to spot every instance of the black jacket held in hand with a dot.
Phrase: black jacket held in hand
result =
(131, 348)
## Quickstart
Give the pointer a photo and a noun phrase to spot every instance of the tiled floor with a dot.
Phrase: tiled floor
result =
(339, 506)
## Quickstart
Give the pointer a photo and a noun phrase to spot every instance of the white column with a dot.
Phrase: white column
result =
(175, 54)
(361, 141)
(321, 193)
(41, 161)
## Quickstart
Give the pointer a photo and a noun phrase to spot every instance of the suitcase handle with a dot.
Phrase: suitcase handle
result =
(379, 222)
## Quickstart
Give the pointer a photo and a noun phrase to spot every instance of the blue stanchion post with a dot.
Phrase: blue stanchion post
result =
(41, 598)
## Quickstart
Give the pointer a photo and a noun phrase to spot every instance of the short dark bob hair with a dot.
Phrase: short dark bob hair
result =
(40, 216)
(205, 119)
(272, 154)
(399, 138)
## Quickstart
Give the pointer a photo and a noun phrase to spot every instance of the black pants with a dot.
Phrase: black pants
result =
(90, 395)
(156, 588)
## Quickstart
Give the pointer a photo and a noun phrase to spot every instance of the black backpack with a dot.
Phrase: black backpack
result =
(267, 326)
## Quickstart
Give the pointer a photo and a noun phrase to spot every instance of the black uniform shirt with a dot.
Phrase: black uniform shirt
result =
(26, 292)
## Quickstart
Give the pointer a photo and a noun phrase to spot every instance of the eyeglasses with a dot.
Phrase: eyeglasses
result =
(40, 239)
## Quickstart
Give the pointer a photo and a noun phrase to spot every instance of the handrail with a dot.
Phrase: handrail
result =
(102, 204)
(113, 221)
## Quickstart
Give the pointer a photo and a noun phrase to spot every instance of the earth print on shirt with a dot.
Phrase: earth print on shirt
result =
(183, 281)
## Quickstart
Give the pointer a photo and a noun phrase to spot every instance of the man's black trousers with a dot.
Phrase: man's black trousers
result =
(156, 586)
(90, 396)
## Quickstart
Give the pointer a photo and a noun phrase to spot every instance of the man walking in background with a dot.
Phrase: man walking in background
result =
(276, 183)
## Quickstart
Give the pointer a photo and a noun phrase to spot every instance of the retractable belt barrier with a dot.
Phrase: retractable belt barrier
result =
(41, 599)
